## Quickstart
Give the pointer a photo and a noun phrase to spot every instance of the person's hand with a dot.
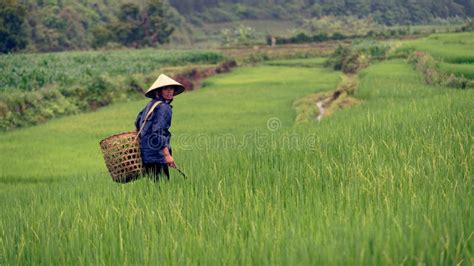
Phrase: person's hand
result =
(170, 161)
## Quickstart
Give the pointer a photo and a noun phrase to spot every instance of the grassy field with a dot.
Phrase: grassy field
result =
(454, 51)
(384, 183)
(196, 112)
(301, 62)
(52, 85)
(452, 48)
(467, 70)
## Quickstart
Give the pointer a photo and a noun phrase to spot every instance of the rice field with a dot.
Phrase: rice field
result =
(451, 48)
(454, 51)
(387, 182)
(375, 184)
(467, 70)
(78, 68)
(301, 62)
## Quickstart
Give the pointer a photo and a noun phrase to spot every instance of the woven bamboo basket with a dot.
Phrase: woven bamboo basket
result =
(122, 153)
(122, 156)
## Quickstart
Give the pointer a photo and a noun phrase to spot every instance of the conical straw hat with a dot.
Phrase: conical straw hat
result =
(164, 81)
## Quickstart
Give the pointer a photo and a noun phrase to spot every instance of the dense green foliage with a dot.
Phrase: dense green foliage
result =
(383, 11)
(356, 56)
(12, 32)
(386, 183)
(78, 68)
(55, 84)
(136, 27)
(67, 24)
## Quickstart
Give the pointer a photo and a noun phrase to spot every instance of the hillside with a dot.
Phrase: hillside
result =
(71, 25)
(384, 12)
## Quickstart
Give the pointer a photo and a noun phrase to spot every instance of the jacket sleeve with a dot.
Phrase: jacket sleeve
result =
(161, 122)
(137, 121)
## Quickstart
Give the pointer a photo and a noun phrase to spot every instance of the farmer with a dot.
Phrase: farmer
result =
(155, 136)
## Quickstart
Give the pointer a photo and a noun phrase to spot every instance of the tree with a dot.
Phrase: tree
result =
(358, 7)
(12, 32)
(137, 27)
(127, 29)
(468, 6)
(156, 27)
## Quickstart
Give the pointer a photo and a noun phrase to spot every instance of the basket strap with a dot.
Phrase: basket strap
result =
(148, 116)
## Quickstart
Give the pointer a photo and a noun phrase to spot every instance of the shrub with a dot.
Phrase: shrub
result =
(348, 60)
(338, 57)
(321, 37)
(457, 82)
(403, 52)
(301, 38)
(375, 50)
(338, 36)
(352, 58)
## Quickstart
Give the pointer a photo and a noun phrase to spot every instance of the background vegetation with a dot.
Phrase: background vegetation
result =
(384, 12)
(56, 84)
(57, 25)
(67, 24)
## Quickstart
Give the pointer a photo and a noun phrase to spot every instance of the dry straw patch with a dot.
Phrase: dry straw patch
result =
(316, 106)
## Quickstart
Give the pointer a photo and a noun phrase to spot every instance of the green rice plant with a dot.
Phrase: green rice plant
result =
(301, 62)
(466, 70)
(387, 182)
(453, 48)
(84, 80)
(453, 51)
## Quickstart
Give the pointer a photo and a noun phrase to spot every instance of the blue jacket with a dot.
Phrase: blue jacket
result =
(155, 135)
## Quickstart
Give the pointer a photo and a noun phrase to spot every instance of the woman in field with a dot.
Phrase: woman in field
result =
(155, 136)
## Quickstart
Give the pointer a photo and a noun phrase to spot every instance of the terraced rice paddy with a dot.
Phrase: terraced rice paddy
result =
(454, 51)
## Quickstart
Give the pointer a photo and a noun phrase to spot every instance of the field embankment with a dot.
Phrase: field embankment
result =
(452, 53)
